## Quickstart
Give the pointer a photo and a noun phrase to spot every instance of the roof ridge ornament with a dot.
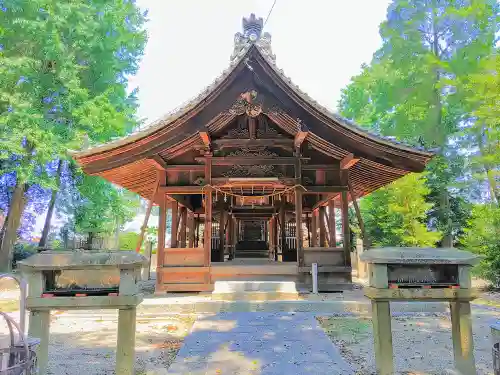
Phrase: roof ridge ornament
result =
(252, 34)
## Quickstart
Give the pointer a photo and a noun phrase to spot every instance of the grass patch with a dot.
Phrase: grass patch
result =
(9, 305)
(348, 329)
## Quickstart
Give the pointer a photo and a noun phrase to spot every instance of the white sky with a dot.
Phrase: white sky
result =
(320, 45)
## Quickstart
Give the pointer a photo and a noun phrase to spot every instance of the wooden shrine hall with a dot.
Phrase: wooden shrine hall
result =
(257, 176)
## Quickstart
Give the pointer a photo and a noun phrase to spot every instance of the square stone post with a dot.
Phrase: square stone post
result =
(39, 327)
(125, 346)
(461, 334)
(382, 336)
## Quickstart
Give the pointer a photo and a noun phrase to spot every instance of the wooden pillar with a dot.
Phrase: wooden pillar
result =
(332, 224)
(282, 227)
(271, 239)
(314, 230)
(207, 237)
(322, 228)
(191, 229)
(346, 230)
(222, 233)
(183, 228)
(197, 222)
(174, 227)
(162, 227)
(298, 226)
(229, 236)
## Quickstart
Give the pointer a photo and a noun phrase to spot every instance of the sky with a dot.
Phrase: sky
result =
(320, 45)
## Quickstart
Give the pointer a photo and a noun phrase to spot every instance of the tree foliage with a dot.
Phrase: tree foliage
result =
(483, 237)
(396, 214)
(425, 86)
(64, 68)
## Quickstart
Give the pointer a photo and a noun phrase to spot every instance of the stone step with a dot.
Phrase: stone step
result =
(255, 291)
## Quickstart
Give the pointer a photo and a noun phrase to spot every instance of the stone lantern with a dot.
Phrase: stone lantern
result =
(84, 280)
(415, 275)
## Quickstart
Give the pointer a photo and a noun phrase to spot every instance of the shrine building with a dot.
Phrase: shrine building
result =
(258, 177)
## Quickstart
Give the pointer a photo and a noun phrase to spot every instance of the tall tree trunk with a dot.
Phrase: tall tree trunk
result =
(445, 206)
(13, 221)
(488, 168)
(50, 211)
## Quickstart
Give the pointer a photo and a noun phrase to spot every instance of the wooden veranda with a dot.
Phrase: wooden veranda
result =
(257, 177)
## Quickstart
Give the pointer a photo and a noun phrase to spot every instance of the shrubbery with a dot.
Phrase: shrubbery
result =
(483, 237)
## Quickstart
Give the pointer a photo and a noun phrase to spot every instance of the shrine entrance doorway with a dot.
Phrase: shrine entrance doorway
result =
(253, 240)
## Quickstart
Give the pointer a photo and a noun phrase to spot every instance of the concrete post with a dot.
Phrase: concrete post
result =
(382, 335)
(461, 333)
(39, 327)
(125, 349)
(315, 277)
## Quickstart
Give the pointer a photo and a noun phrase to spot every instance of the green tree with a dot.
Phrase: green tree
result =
(409, 90)
(483, 237)
(64, 67)
(100, 206)
(395, 215)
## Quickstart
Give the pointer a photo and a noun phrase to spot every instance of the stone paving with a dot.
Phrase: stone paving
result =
(258, 344)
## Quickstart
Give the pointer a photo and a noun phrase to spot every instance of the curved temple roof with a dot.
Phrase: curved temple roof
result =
(381, 159)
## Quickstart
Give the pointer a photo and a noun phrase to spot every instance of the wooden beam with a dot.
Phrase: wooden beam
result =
(257, 160)
(205, 137)
(184, 167)
(325, 167)
(188, 189)
(299, 138)
(324, 189)
(219, 144)
(159, 162)
(324, 201)
(348, 161)
(358, 212)
(148, 212)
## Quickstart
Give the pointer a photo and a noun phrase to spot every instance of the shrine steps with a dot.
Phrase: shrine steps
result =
(255, 291)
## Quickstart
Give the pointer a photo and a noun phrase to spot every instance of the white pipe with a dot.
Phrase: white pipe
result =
(315, 277)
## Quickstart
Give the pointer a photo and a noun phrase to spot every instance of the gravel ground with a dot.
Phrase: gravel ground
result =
(422, 342)
(86, 344)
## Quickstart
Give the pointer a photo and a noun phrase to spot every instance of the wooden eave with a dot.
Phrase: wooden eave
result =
(130, 162)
